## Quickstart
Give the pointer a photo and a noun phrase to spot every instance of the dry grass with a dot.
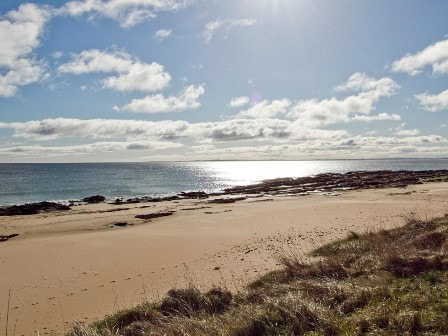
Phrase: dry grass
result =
(392, 282)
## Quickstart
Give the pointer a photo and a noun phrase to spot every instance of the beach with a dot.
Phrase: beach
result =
(84, 263)
(223, 168)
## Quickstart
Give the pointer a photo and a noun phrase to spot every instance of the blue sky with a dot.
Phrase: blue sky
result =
(139, 80)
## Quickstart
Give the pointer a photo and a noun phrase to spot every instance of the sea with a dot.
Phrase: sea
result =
(34, 182)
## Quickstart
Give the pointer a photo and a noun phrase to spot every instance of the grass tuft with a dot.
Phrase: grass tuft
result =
(189, 301)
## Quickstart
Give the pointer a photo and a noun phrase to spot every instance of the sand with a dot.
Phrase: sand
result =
(72, 265)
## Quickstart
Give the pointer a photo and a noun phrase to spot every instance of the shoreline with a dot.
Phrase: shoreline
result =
(72, 265)
(325, 182)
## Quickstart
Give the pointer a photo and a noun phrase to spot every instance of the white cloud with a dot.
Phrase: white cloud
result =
(94, 60)
(409, 132)
(360, 82)
(378, 117)
(433, 103)
(239, 102)
(24, 72)
(20, 33)
(187, 100)
(57, 54)
(140, 76)
(131, 73)
(267, 109)
(127, 12)
(241, 129)
(212, 27)
(435, 56)
(398, 128)
(162, 34)
(317, 113)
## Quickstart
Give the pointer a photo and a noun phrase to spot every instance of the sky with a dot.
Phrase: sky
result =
(143, 80)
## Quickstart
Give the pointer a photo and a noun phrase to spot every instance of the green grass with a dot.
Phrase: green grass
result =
(391, 282)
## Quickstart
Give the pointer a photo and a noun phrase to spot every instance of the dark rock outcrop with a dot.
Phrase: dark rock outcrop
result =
(32, 209)
(94, 199)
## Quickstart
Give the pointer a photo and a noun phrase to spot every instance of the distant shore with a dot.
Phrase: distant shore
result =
(92, 259)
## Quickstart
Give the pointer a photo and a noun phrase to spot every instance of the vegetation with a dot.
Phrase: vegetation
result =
(391, 282)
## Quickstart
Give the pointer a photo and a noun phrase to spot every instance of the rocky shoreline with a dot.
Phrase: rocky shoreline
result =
(328, 182)
(331, 182)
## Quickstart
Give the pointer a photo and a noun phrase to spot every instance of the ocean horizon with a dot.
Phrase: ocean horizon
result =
(61, 182)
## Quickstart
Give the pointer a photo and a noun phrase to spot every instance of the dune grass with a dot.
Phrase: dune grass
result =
(391, 282)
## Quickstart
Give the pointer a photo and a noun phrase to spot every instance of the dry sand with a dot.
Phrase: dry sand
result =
(71, 265)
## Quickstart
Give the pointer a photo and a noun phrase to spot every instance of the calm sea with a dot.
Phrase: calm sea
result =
(21, 183)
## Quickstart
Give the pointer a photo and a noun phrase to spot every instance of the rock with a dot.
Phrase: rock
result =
(162, 199)
(155, 215)
(117, 201)
(94, 199)
(4, 238)
(32, 209)
(194, 195)
(119, 224)
(226, 200)
(147, 199)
